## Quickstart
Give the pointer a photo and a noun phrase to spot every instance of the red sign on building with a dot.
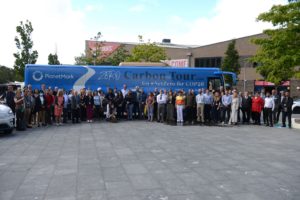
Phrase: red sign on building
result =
(106, 48)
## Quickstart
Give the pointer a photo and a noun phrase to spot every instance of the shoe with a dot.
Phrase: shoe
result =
(57, 124)
(60, 124)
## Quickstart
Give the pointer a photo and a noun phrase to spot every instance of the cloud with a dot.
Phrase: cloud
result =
(93, 8)
(137, 8)
(56, 26)
(176, 20)
(231, 19)
(151, 2)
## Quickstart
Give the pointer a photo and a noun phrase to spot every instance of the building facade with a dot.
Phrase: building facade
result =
(210, 56)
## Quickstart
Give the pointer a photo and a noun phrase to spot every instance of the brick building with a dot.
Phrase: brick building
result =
(211, 56)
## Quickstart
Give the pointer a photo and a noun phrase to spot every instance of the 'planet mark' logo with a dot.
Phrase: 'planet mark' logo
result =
(37, 75)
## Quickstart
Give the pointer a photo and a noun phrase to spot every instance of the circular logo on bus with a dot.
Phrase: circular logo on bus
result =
(37, 75)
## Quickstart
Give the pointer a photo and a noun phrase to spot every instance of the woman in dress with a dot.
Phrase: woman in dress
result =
(37, 107)
(49, 101)
(234, 108)
(216, 107)
(89, 103)
(82, 105)
(150, 106)
(59, 105)
(170, 107)
(19, 108)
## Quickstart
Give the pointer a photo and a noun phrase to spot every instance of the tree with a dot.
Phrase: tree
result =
(90, 57)
(53, 59)
(279, 52)
(6, 74)
(149, 52)
(120, 55)
(24, 44)
(231, 60)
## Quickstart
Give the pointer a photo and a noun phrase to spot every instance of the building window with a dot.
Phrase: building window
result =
(208, 62)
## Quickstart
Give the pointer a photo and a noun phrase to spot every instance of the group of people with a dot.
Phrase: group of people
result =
(45, 106)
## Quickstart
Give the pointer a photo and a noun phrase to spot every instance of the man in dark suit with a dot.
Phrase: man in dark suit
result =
(246, 107)
(287, 103)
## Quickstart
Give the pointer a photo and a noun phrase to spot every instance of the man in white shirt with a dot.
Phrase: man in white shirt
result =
(200, 106)
(269, 108)
(161, 104)
(124, 90)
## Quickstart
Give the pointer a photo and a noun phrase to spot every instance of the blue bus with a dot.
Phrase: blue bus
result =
(92, 77)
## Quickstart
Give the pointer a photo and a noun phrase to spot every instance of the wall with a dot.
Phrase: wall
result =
(249, 86)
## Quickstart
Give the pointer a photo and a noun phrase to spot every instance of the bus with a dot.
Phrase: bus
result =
(74, 77)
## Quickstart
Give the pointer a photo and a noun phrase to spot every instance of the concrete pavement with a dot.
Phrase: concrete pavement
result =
(139, 160)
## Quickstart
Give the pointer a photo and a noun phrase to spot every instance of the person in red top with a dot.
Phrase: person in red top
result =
(257, 107)
(49, 102)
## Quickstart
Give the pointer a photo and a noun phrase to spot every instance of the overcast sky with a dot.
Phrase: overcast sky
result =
(64, 25)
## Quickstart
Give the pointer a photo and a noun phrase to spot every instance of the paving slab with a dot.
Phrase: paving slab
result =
(140, 160)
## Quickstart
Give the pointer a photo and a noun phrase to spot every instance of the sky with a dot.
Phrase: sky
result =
(62, 26)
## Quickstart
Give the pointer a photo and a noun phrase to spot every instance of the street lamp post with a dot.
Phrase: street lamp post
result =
(245, 75)
(95, 39)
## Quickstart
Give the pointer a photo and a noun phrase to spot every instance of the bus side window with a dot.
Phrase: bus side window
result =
(214, 83)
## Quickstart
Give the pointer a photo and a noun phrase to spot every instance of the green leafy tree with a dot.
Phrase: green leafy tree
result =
(90, 57)
(53, 59)
(279, 52)
(24, 44)
(231, 61)
(6, 74)
(120, 55)
(149, 52)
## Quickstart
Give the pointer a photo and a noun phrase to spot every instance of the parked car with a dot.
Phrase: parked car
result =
(7, 119)
(296, 106)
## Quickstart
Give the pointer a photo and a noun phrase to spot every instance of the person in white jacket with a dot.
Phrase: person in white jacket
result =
(235, 103)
